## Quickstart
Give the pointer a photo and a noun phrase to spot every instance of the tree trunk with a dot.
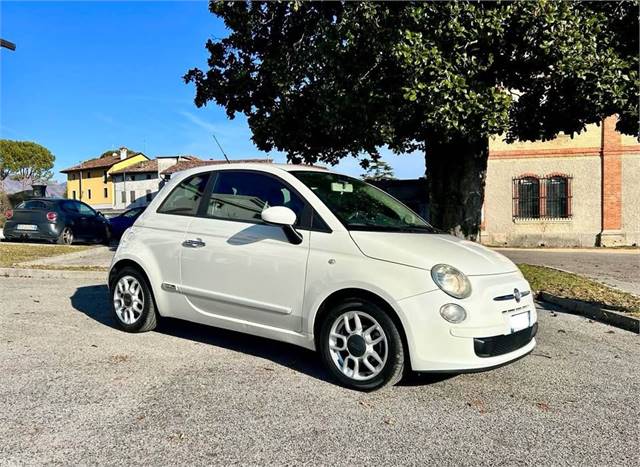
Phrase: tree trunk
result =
(456, 171)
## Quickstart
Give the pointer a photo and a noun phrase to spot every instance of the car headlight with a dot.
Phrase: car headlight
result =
(451, 281)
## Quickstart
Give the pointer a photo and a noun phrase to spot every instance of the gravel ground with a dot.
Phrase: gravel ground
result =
(617, 268)
(75, 390)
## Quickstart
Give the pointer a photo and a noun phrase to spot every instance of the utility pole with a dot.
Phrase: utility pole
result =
(7, 44)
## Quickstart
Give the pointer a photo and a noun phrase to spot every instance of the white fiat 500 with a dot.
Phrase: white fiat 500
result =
(323, 261)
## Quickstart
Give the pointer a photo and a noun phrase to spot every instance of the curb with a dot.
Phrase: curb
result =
(53, 274)
(613, 318)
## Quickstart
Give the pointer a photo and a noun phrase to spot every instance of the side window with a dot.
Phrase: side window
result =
(185, 198)
(70, 206)
(242, 196)
(85, 210)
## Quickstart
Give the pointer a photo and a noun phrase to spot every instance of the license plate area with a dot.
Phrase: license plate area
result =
(519, 321)
(30, 227)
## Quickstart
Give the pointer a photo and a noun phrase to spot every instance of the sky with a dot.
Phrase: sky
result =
(91, 76)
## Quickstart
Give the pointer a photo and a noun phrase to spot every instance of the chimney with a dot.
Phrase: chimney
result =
(123, 153)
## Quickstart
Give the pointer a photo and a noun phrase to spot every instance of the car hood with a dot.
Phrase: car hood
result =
(426, 250)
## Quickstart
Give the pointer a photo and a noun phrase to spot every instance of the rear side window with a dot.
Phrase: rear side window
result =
(242, 196)
(70, 206)
(33, 204)
(185, 198)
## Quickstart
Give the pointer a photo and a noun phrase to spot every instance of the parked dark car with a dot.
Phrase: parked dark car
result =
(56, 220)
(125, 220)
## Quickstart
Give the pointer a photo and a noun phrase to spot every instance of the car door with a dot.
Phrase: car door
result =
(74, 219)
(90, 222)
(233, 265)
(164, 232)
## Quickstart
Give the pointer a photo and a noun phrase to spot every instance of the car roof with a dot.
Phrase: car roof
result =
(46, 200)
(258, 166)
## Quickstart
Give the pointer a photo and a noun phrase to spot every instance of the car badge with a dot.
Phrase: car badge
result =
(517, 295)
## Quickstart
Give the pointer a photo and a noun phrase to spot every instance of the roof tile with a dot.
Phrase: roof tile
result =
(99, 162)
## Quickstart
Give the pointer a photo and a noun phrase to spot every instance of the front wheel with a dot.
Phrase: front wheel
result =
(361, 345)
(132, 301)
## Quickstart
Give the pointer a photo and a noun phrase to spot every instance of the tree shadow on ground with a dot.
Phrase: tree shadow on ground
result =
(93, 301)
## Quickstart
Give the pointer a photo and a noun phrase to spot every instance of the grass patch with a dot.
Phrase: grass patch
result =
(568, 285)
(10, 254)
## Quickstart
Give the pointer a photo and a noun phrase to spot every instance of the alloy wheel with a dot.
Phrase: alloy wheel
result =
(67, 236)
(128, 299)
(358, 345)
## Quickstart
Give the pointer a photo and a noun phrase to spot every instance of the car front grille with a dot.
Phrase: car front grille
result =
(499, 345)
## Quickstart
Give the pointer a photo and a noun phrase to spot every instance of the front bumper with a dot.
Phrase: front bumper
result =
(484, 340)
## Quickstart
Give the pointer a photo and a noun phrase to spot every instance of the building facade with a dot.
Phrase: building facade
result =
(582, 191)
(137, 184)
(90, 181)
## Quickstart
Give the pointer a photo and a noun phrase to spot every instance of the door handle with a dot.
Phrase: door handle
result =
(197, 243)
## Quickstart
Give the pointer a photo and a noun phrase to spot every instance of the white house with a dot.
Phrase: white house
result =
(137, 184)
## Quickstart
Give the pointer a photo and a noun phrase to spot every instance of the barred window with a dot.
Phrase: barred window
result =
(526, 198)
(557, 197)
(542, 198)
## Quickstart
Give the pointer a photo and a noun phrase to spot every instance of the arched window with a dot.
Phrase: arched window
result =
(558, 197)
(526, 198)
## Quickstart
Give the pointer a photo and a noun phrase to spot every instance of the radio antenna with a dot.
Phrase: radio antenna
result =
(221, 150)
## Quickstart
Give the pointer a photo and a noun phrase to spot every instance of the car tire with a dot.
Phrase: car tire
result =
(372, 340)
(106, 238)
(132, 301)
(66, 236)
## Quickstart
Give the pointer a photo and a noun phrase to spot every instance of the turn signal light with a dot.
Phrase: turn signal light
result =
(8, 214)
(52, 216)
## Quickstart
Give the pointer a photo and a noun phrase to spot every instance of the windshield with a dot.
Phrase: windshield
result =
(361, 206)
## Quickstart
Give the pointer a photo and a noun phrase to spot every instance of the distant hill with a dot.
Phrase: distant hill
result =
(54, 189)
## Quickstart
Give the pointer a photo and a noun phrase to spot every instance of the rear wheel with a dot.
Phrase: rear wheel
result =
(361, 345)
(132, 301)
(66, 236)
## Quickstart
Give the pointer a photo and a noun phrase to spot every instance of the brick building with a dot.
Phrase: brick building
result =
(580, 191)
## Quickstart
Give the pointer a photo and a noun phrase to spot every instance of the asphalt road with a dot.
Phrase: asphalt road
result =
(617, 268)
(75, 390)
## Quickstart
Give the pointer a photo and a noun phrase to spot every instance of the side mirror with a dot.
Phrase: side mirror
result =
(279, 215)
(285, 218)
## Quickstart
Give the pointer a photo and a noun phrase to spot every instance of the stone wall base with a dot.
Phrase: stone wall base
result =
(611, 238)
(561, 240)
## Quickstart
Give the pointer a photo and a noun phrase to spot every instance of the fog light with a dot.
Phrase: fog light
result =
(453, 313)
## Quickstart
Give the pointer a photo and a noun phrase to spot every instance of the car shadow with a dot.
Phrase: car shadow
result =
(93, 301)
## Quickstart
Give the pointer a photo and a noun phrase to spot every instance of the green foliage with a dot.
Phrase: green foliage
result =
(5, 205)
(378, 170)
(25, 160)
(322, 81)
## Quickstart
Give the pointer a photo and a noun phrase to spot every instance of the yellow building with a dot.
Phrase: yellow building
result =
(90, 181)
